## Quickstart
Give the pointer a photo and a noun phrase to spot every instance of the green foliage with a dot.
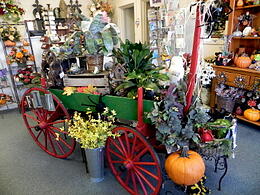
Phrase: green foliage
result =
(137, 58)
(100, 37)
(173, 127)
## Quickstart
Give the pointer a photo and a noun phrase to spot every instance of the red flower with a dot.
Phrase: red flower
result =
(251, 103)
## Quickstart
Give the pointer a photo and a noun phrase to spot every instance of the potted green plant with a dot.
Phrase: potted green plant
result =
(137, 60)
(92, 132)
(96, 37)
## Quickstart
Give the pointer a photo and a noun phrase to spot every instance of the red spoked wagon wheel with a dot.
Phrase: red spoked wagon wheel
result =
(48, 127)
(134, 162)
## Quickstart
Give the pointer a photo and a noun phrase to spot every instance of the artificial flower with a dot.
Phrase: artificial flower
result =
(19, 54)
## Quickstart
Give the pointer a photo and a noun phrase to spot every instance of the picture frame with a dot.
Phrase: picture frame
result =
(156, 3)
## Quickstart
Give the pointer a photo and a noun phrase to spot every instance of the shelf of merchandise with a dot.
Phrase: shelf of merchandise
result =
(244, 119)
(249, 43)
(248, 7)
(247, 38)
(15, 87)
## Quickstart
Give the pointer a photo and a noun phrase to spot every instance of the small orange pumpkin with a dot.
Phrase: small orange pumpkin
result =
(252, 114)
(2, 101)
(243, 62)
(185, 167)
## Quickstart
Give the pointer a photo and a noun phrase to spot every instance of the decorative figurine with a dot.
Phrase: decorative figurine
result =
(219, 59)
(63, 9)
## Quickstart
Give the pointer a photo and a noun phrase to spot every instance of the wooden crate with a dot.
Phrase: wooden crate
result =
(100, 81)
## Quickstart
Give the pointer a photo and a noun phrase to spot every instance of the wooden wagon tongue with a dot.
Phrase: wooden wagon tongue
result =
(142, 127)
(194, 59)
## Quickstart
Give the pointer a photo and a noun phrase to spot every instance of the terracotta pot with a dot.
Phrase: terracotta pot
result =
(243, 62)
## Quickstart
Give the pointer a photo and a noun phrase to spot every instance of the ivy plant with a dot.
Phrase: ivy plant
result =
(174, 128)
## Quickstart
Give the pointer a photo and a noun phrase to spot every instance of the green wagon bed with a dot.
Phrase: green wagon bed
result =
(126, 108)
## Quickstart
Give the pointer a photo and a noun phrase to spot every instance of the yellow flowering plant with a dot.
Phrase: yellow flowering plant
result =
(92, 132)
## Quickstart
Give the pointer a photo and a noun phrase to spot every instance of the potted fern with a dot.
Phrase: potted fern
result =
(92, 132)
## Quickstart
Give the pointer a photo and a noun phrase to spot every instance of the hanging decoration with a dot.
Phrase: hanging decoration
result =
(10, 11)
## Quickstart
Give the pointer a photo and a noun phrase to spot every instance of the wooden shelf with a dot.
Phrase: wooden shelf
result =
(244, 119)
(248, 7)
(247, 38)
(234, 68)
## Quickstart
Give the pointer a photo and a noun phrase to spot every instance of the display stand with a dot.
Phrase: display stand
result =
(13, 85)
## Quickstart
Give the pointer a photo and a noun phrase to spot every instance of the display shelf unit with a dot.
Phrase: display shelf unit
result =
(231, 75)
(248, 7)
(247, 38)
(14, 87)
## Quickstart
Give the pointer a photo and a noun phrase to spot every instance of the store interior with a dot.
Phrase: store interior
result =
(139, 97)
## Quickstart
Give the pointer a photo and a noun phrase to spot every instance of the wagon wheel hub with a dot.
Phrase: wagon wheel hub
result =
(129, 164)
(43, 125)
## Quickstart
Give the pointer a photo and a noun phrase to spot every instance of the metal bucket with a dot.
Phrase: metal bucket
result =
(95, 160)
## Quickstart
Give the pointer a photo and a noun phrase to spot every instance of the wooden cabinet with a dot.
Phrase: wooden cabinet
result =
(234, 77)
(231, 75)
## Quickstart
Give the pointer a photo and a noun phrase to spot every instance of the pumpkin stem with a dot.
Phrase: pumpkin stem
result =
(184, 151)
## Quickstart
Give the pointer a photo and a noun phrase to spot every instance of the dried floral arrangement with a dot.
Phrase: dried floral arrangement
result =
(27, 76)
(100, 6)
(232, 93)
(10, 11)
(19, 55)
(9, 33)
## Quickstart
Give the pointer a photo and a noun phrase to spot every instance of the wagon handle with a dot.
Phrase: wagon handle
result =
(142, 127)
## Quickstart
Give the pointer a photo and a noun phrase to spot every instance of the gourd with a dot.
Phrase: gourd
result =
(2, 101)
(185, 167)
(252, 114)
(243, 62)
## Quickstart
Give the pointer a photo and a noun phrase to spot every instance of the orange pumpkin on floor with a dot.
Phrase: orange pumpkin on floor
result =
(185, 167)
(252, 114)
(243, 62)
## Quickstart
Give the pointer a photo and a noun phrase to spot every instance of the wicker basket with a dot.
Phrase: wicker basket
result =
(227, 104)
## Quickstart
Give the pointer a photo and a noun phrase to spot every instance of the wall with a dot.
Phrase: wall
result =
(210, 46)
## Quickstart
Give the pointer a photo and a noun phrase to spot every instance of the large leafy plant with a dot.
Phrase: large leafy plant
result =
(174, 128)
(137, 59)
(94, 36)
